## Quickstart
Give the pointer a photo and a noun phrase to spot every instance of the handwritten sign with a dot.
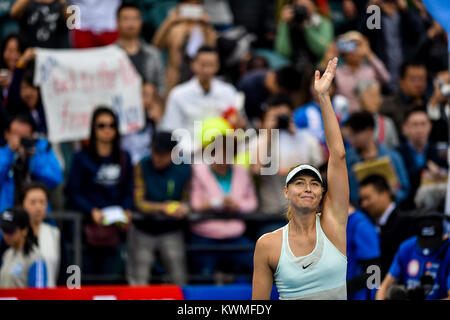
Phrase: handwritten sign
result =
(74, 82)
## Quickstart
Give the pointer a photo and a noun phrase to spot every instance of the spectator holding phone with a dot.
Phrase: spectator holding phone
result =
(360, 63)
(10, 53)
(182, 33)
(24, 159)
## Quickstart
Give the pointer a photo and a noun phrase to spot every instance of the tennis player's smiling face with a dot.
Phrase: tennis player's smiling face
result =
(304, 193)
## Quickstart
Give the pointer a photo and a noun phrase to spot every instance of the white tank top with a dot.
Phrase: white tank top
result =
(320, 275)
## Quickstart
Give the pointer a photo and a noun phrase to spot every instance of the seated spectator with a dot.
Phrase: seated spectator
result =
(98, 23)
(199, 98)
(370, 99)
(303, 34)
(258, 85)
(363, 251)
(42, 22)
(224, 189)
(438, 108)
(49, 240)
(23, 265)
(364, 147)
(411, 93)
(422, 158)
(360, 63)
(24, 159)
(145, 57)
(309, 115)
(160, 188)
(393, 225)
(137, 144)
(421, 265)
(10, 53)
(278, 115)
(182, 35)
(101, 176)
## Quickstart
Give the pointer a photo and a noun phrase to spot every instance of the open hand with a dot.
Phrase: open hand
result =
(322, 84)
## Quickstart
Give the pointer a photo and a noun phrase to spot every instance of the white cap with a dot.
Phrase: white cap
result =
(300, 168)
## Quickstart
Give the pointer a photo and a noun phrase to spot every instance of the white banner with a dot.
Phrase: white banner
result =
(74, 82)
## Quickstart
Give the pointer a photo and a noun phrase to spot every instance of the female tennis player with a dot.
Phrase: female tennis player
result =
(306, 258)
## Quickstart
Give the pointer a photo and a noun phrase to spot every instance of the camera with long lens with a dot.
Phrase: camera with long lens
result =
(300, 14)
(283, 121)
(399, 292)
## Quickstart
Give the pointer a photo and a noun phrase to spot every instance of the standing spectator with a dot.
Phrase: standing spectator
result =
(199, 98)
(22, 264)
(160, 187)
(24, 159)
(10, 53)
(49, 240)
(137, 144)
(419, 155)
(411, 93)
(101, 176)
(438, 107)
(8, 25)
(370, 99)
(363, 250)
(98, 23)
(258, 85)
(393, 225)
(360, 63)
(303, 33)
(145, 57)
(224, 189)
(182, 34)
(426, 255)
(363, 147)
(42, 22)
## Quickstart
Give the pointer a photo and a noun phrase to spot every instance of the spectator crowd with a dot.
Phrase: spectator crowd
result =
(230, 65)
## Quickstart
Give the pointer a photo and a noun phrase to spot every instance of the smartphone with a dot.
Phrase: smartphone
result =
(346, 45)
(4, 73)
(191, 11)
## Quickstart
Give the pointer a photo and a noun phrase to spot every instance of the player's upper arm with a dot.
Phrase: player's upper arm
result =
(262, 273)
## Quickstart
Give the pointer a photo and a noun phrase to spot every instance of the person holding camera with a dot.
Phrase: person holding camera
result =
(438, 107)
(24, 159)
(303, 34)
(422, 264)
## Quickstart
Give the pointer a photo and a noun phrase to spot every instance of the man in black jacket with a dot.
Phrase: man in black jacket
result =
(393, 225)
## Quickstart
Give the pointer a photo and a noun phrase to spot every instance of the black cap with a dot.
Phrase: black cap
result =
(430, 230)
(13, 219)
(162, 142)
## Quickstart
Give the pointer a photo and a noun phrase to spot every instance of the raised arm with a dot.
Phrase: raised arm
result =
(337, 197)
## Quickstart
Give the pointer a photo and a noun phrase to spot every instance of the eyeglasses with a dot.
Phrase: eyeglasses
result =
(103, 125)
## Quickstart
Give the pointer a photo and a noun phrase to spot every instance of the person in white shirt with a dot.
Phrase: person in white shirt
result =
(35, 203)
(201, 97)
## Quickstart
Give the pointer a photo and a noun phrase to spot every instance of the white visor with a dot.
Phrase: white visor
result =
(300, 168)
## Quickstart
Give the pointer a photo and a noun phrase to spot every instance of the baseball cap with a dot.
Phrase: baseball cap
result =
(162, 142)
(14, 218)
(302, 168)
(430, 229)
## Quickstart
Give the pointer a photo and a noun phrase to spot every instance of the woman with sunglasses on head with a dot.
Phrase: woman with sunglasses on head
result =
(101, 176)
(22, 264)
(306, 258)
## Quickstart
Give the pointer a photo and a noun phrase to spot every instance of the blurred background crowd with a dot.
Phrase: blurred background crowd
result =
(233, 65)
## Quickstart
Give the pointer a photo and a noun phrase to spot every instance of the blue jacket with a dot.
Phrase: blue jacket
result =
(98, 184)
(43, 167)
(352, 158)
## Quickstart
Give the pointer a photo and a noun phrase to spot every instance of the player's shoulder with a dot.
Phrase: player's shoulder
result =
(270, 241)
